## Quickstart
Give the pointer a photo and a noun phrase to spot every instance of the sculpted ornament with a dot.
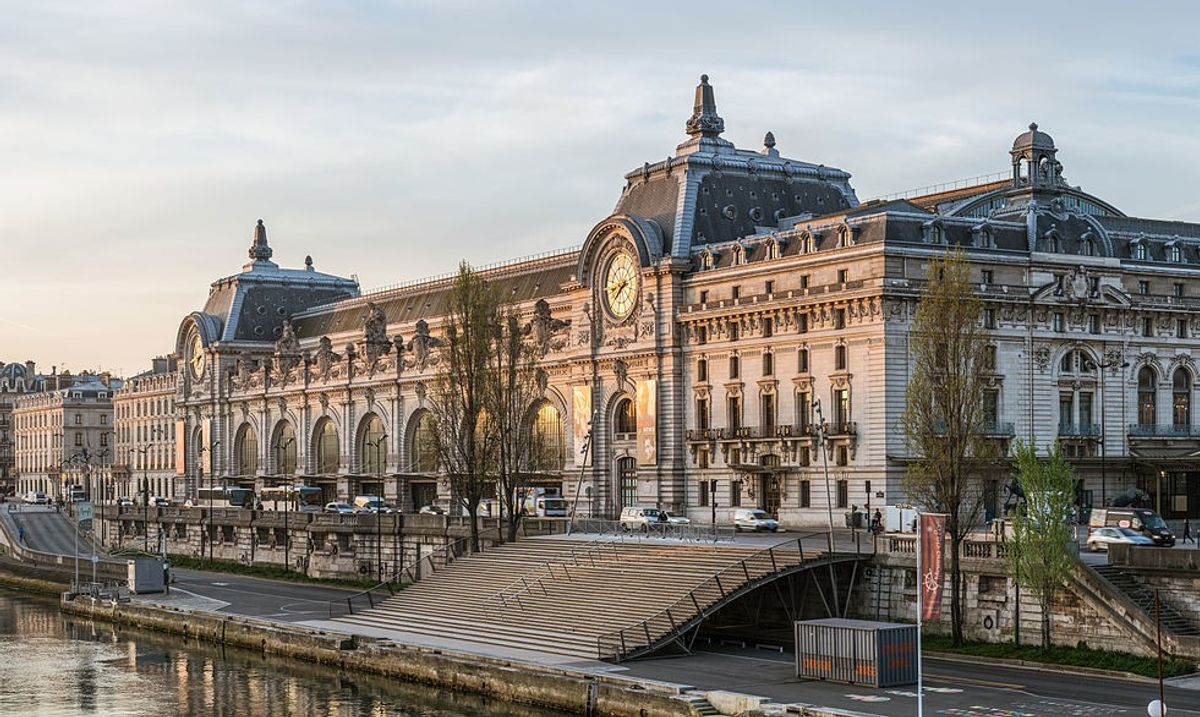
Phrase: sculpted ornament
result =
(549, 333)
(375, 334)
(621, 370)
(421, 346)
(326, 358)
(287, 349)
(245, 369)
(1041, 356)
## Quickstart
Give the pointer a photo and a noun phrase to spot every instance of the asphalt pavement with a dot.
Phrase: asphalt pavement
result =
(253, 597)
(962, 689)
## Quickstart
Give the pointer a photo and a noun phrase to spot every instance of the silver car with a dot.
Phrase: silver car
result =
(339, 508)
(754, 519)
(1101, 538)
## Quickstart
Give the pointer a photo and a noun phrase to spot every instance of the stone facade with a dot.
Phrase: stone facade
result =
(144, 410)
(733, 301)
(64, 436)
(15, 379)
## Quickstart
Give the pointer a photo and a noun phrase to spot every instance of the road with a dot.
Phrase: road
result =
(952, 688)
(48, 531)
(253, 597)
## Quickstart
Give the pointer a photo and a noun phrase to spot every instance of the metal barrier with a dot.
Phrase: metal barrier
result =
(673, 531)
(732, 582)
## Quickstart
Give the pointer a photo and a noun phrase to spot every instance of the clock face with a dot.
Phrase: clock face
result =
(196, 357)
(621, 285)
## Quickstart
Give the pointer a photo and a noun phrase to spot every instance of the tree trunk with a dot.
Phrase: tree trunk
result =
(473, 516)
(514, 520)
(956, 613)
(1045, 620)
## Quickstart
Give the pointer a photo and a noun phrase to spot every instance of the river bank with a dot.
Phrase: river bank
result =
(575, 691)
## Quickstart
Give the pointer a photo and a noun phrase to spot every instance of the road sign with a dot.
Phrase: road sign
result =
(83, 511)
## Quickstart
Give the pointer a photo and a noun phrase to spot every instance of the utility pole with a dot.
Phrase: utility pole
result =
(287, 500)
(822, 439)
(378, 446)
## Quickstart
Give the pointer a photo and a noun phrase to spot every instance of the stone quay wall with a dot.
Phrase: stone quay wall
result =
(353, 546)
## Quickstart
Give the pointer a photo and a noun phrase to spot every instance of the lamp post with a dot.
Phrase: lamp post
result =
(822, 438)
(378, 446)
(1102, 367)
(287, 500)
(202, 449)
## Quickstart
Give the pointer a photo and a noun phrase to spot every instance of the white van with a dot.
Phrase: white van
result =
(371, 504)
(35, 497)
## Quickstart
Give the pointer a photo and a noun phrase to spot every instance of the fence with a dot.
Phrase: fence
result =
(706, 533)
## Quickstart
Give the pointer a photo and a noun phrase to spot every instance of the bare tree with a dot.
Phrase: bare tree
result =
(1039, 556)
(514, 386)
(943, 417)
(465, 447)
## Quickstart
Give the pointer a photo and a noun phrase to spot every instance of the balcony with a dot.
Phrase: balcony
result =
(1162, 430)
(997, 429)
(838, 429)
(1079, 430)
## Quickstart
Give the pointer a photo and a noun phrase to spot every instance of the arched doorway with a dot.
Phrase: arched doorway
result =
(770, 485)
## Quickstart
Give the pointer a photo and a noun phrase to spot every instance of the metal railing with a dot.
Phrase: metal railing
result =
(1079, 430)
(427, 564)
(1163, 430)
(731, 582)
(698, 533)
(550, 570)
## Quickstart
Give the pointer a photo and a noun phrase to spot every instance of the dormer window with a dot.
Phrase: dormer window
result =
(772, 249)
(706, 260)
(1174, 253)
(846, 235)
(934, 233)
(1138, 251)
(806, 243)
(739, 255)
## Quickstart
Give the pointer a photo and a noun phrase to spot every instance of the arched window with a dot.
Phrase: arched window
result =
(246, 448)
(1146, 405)
(1087, 247)
(1176, 254)
(1181, 399)
(424, 444)
(626, 416)
(546, 438)
(283, 449)
(372, 448)
(325, 439)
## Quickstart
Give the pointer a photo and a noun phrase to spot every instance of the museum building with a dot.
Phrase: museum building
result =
(733, 303)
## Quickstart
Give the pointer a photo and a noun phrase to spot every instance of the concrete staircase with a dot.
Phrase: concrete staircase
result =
(1143, 597)
(554, 595)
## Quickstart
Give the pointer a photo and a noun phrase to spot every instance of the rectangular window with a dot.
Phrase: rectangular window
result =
(989, 358)
(839, 357)
(702, 459)
(843, 494)
(839, 318)
(737, 292)
(991, 408)
(734, 419)
(989, 318)
(702, 334)
(804, 281)
(803, 410)
(1085, 410)
(735, 494)
(986, 275)
(842, 457)
(1066, 407)
(735, 367)
(843, 275)
(704, 296)
(703, 499)
(702, 371)
(805, 494)
(768, 364)
(1181, 328)
(78, 419)
(734, 330)
(767, 410)
(770, 287)
(1178, 290)
(1093, 323)
(103, 419)
(802, 324)
(802, 361)
(79, 439)
(803, 456)
(1148, 327)
(841, 409)
(103, 439)
(1143, 287)
(1060, 322)
(702, 414)
(768, 328)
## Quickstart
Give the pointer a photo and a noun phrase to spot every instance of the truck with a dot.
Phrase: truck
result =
(1143, 520)
(541, 502)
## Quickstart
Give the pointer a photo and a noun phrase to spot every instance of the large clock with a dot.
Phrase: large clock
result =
(621, 284)
(196, 356)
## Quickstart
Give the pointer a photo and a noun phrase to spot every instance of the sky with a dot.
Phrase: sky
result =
(140, 140)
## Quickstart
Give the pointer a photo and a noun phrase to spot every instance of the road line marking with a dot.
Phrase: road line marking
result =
(975, 681)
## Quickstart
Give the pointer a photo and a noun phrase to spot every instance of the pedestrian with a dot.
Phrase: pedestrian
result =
(877, 522)
(1187, 531)
(21, 534)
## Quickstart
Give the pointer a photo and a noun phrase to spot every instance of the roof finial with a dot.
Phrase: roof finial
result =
(704, 120)
(308, 262)
(769, 140)
(260, 250)
(1033, 126)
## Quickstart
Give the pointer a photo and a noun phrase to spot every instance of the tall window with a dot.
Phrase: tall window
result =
(627, 471)
(767, 410)
(839, 357)
(702, 371)
(768, 364)
(841, 404)
(735, 412)
(548, 449)
(1181, 398)
(702, 422)
(326, 442)
(283, 449)
(372, 453)
(735, 367)
(247, 450)
(1146, 405)
(991, 408)
(802, 361)
(626, 416)
(843, 494)
(424, 444)
(803, 411)
(805, 494)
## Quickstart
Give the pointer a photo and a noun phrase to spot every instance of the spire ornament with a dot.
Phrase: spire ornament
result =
(705, 122)
(260, 250)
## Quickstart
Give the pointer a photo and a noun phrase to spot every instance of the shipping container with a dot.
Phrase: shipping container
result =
(857, 652)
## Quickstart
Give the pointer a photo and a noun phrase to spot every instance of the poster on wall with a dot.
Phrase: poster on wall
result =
(180, 448)
(205, 447)
(581, 416)
(647, 422)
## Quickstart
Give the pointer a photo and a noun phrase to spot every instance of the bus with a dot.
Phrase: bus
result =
(303, 498)
(222, 498)
(541, 502)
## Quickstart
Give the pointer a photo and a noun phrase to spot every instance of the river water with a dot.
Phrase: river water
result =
(55, 664)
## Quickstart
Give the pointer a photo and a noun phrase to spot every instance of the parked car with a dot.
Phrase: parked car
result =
(37, 498)
(371, 504)
(339, 508)
(673, 519)
(432, 510)
(1142, 520)
(124, 502)
(754, 519)
(1101, 538)
(159, 502)
(640, 518)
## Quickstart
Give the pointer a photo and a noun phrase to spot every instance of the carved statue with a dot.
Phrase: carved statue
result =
(287, 349)
(421, 344)
(375, 333)
(326, 357)
(547, 330)
(245, 368)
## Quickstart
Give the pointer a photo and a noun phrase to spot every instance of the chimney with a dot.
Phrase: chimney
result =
(30, 370)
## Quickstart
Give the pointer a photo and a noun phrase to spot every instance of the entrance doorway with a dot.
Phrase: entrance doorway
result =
(770, 486)
(627, 475)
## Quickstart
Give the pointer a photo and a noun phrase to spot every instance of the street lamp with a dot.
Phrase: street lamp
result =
(1103, 366)
(378, 446)
(822, 438)
(200, 469)
(287, 500)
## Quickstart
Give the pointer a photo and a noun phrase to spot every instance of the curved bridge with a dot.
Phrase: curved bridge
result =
(678, 624)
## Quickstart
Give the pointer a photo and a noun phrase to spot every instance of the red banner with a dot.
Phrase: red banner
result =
(933, 550)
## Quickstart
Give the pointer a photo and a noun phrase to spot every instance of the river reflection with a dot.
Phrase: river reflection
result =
(55, 664)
